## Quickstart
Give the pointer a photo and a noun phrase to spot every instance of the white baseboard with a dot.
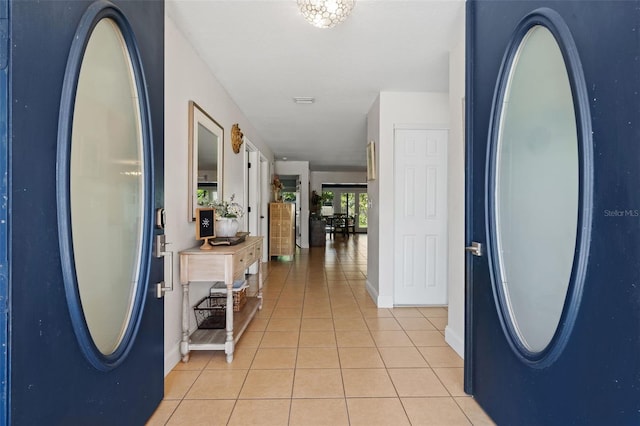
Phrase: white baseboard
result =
(372, 291)
(171, 358)
(454, 340)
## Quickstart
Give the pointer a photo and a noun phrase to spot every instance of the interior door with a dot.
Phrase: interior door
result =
(86, 172)
(420, 160)
(552, 335)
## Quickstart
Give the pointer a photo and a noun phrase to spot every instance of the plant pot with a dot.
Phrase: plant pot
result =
(227, 227)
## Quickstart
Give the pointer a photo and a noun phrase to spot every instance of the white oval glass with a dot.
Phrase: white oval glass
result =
(106, 186)
(536, 189)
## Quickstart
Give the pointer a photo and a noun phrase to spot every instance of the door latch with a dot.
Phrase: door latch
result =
(160, 250)
(475, 249)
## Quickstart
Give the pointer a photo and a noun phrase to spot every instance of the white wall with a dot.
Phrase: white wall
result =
(454, 332)
(373, 192)
(318, 178)
(188, 78)
(300, 168)
(422, 110)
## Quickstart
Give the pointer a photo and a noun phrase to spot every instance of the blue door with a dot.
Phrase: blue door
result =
(553, 211)
(84, 107)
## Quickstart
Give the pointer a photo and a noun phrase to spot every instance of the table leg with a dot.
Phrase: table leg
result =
(186, 309)
(260, 283)
(228, 345)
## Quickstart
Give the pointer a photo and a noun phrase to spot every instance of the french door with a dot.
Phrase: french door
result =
(552, 333)
(85, 141)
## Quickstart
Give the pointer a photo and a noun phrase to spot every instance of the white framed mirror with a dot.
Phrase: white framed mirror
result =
(206, 139)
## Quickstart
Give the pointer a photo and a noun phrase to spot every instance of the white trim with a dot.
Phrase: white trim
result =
(454, 340)
(171, 358)
(420, 126)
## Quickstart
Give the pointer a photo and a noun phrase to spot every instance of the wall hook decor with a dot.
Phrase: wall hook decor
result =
(236, 138)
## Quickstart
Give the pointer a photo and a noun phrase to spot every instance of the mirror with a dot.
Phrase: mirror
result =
(537, 189)
(205, 159)
(107, 186)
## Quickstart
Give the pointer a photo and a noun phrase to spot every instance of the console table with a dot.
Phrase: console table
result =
(221, 263)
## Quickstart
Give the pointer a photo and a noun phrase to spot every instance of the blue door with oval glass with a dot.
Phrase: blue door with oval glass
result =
(86, 126)
(552, 299)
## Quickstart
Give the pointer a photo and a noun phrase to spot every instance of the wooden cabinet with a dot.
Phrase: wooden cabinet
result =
(282, 225)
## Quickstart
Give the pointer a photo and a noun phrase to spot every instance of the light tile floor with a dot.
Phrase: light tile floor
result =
(321, 353)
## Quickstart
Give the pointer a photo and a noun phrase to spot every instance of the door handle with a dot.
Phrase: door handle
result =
(160, 250)
(475, 249)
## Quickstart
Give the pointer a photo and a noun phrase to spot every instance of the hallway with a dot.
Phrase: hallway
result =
(321, 353)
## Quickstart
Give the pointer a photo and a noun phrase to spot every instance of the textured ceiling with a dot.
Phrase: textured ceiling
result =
(264, 53)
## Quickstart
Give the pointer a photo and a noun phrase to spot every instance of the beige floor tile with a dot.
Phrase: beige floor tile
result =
(354, 339)
(258, 324)
(411, 323)
(473, 411)
(376, 312)
(287, 312)
(217, 384)
(434, 411)
(439, 322)
(275, 358)
(453, 380)
(317, 358)
(347, 313)
(177, 383)
(367, 382)
(417, 382)
(376, 412)
(434, 312)
(426, 338)
(313, 312)
(197, 361)
(408, 357)
(376, 323)
(391, 338)
(242, 359)
(251, 339)
(318, 383)
(406, 312)
(350, 324)
(201, 413)
(283, 324)
(360, 358)
(317, 339)
(163, 412)
(266, 311)
(268, 384)
(290, 301)
(316, 324)
(319, 412)
(441, 357)
(261, 412)
(280, 339)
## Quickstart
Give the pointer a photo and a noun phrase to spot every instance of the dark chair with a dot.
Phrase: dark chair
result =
(329, 228)
(340, 224)
(351, 225)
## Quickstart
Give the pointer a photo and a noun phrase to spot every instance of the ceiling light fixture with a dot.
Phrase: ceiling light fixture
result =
(304, 100)
(325, 13)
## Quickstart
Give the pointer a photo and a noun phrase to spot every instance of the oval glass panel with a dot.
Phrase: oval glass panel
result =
(536, 189)
(106, 186)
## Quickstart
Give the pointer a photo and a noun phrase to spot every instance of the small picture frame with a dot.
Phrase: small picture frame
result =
(205, 226)
(371, 160)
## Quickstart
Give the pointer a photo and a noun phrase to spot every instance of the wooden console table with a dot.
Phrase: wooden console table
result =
(221, 263)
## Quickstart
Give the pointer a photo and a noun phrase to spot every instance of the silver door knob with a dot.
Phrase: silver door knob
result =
(475, 249)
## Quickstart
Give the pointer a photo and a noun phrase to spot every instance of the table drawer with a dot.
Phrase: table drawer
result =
(240, 262)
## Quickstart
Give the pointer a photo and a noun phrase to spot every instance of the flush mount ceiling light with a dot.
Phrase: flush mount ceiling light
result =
(325, 13)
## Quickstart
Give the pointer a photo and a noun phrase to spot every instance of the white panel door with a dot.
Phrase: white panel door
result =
(420, 224)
